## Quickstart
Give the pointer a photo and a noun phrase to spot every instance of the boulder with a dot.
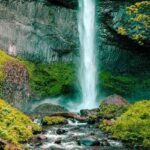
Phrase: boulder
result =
(61, 131)
(38, 139)
(115, 100)
(48, 109)
(112, 107)
(41, 137)
(88, 112)
(58, 141)
(89, 141)
(72, 116)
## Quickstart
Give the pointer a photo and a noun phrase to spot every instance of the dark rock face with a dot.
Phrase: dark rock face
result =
(46, 30)
(39, 31)
(117, 53)
(48, 109)
(115, 100)
(66, 3)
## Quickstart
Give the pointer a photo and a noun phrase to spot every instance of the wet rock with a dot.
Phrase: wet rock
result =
(89, 141)
(88, 112)
(115, 100)
(61, 131)
(58, 141)
(41, 137)
(38, 139)
(72, 116)
(104, 142)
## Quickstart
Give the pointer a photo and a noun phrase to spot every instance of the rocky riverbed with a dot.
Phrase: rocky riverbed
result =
(74, 136)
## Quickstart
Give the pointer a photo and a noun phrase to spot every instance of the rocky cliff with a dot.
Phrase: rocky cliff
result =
(47, 31)
(40, 30)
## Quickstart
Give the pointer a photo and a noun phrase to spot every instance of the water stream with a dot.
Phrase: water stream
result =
(87, 72)
(74, 132)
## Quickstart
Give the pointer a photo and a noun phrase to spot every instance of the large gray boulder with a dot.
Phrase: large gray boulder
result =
(48, 109)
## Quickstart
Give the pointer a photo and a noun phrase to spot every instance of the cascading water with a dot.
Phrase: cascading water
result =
(87, 73)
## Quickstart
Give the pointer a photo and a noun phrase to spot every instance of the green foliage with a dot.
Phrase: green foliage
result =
(136, 22)
(15, 127)
(51, 79)
(123, 84)
(134, 125)
(116, 83)
(53, 120)
(110, 111)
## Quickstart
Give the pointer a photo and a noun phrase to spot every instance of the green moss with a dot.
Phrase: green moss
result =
(4, 58)
(51, 79)
(15, 126)
(116, 83)
(134, 125)
(92, 119)
(135, 22)
(53, 120)
(110, 111)
(123, 84)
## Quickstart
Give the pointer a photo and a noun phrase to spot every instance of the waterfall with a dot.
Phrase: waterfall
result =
(87, 71)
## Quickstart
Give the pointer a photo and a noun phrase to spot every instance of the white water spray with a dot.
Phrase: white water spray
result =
(87, 74)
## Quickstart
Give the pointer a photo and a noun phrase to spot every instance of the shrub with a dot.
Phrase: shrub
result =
(15, 126)
(134, 125)
(110, 111)
(53, 120)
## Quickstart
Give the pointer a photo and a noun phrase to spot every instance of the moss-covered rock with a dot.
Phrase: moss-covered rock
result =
(15, 126)
(4, 59)
(133, 126)
(13, 80)
(135, 22)
(51, 79)
(53, 120)
(112, 107)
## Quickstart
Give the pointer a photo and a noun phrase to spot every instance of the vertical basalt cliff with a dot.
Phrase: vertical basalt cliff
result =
(40, 30)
